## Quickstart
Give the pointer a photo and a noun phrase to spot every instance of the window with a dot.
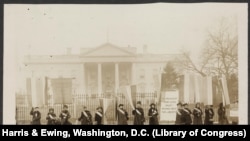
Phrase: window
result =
(142, 74)
(141, 87)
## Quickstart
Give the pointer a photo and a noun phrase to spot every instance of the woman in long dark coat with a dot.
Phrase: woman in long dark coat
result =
(36, 116)
(122, 115)
(99, 116)
(197, 112)
(51, 117)
(86, 117)
(209, 115)
(65, 116)
(186, 115)
(222, 114)
(138, 113)
(153, 115)
(178, 119)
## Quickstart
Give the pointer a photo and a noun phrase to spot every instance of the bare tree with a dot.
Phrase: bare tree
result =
(190, 65)
(222, 48)
(219, 55)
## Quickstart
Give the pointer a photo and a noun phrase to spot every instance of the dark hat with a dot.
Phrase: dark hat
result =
(120, 105)
(198, 103)
(138, 102)
(36, 107)
(152, 104)
(51, 109)
(184, 104)
(65, 106)
(99, 108)
(179, 103)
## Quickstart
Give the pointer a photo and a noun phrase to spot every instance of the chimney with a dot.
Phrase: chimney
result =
(145, 49)
(68, 51)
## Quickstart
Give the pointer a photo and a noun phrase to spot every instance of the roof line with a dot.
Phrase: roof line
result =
(103, 45)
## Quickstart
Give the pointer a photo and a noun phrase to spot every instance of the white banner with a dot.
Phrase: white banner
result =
(33, 93)
(209, 92)
(197, 86)
(126, 90)
(37, 91)
(169, 105)
(225, 90)
(105, 103)
(186, 88)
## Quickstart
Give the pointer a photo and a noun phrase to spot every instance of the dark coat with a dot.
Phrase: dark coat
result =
(186, 118)
(222, 115)
(197, 112)
(122, 116)
(51, 118)
(153, 116)
(209, 115)
(139, 118)
(65, 116)
(98, 118)
(86, 119)
(178, 120)
(36, 117)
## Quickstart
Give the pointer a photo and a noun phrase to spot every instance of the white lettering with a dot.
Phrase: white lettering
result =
(6, 132)
(133, 132)
(64, 134)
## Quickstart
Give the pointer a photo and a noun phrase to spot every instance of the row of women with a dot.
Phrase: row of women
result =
(184, 116)
(87, 119)
(138, 113)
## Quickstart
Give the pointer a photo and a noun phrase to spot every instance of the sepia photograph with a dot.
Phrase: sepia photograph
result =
(125, 64)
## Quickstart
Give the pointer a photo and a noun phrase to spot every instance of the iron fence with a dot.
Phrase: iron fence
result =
(23, 107)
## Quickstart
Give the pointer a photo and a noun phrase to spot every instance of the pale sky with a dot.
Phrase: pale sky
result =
(163, 27)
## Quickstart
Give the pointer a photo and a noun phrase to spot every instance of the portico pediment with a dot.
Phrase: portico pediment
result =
(108, 50)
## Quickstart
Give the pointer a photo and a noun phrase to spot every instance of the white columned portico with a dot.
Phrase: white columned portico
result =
(116, 77)
(34, 92)
(99, 79)
(83, 79)
(133, 73)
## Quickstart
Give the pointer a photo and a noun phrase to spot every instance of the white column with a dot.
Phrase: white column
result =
(186, 87)
(83, 79)
(197, 87)
(133, 74)
(99, 79)
(34, 92)
(116, 77)
(148, 79)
